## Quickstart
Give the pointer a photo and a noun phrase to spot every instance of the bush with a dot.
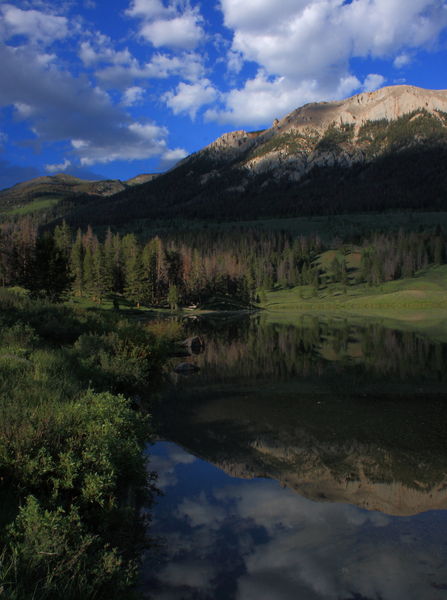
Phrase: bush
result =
(53, 556)
(71, 452)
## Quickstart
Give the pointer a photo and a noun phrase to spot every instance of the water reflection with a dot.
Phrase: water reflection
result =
(309, 462)
(227, 538)
(329, 349)
(335, 412)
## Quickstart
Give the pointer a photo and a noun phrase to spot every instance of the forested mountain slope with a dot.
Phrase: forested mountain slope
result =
(373, 152)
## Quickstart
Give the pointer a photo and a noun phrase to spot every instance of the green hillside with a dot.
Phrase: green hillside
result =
(427, 290)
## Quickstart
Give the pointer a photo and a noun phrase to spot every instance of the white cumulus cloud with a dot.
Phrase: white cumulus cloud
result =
(161, 66)
(188, 98)
(171, 157)
(36, 25)
(373, 82)
(57, 168)
(177, 25)
(146, 8)
(59, 107)
(402, 61)
(102, 51)
(137, 141)
(304, 48)
(133, 95)
(179, 32)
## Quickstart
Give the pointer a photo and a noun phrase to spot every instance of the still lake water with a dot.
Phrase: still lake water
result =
(303, 462)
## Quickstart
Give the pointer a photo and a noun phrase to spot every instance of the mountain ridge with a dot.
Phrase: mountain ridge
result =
(374, 151)
(350, 159)
(388, 103)
(49, 191)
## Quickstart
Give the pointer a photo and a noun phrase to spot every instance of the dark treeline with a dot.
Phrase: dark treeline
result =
(393, 256)
(201, 267)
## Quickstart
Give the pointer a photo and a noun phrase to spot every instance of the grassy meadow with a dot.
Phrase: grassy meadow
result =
(32, 207)
(421, 301)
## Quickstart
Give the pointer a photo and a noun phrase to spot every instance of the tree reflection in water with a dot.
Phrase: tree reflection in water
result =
(311, 457)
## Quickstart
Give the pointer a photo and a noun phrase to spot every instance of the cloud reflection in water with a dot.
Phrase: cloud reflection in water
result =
(254, 540)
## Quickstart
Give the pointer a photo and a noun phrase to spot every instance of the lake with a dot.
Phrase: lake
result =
(305, 460)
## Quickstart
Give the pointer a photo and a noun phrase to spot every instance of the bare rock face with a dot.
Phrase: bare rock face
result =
(388, 103)
(293, 145)
(230, 144)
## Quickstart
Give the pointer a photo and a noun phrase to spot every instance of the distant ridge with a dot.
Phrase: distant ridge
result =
(56, 195)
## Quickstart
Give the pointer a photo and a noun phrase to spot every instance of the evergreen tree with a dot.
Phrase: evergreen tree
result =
(149, 259)
(77, 265)
(136, 283)
(51, 269)
(89, 271)
(101, 279)
(63, 238)
(118, 265)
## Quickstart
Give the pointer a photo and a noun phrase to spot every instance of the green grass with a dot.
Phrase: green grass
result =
(420, 298)
(125, 306)
(32, 207)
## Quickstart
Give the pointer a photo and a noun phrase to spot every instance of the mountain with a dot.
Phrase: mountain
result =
(57, 195)
(375, 151)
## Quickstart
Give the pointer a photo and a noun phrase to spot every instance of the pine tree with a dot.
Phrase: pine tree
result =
(344, 274)
(136, 283)
(89, 272)
(149, 259)
(108, 263)
(63, 238)
(51, 273)
(77, 265)
(118, 265)
(336, 270)
(101, 282)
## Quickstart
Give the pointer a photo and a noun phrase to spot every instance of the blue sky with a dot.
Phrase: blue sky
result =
(112, 89)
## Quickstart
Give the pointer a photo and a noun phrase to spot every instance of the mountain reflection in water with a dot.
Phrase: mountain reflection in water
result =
(292, 439)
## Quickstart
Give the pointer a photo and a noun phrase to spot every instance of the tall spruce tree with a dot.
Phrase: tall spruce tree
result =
(136, 283)
(51, 272)
(89, 272)
(77, 265)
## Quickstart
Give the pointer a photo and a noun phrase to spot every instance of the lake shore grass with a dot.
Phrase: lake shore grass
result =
(427, 290)
(416, 304)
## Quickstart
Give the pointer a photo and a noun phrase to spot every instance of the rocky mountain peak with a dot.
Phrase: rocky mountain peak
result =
(314, 119)
(389, 103)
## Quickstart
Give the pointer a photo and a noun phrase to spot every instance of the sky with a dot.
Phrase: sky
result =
(111, 89)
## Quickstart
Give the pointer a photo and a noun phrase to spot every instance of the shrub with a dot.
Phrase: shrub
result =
(71, 452)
